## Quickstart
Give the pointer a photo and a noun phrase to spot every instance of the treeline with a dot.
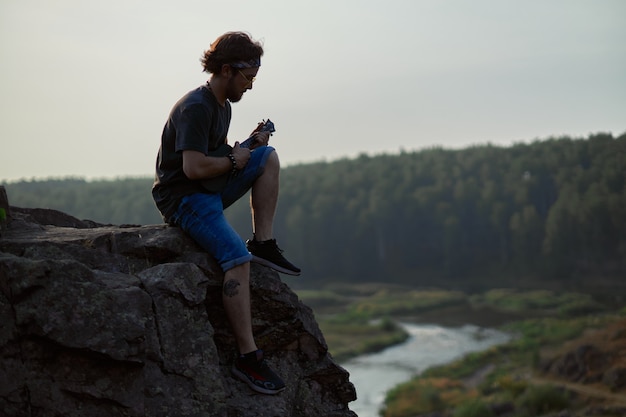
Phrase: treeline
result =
(121, 201)
(549, 210)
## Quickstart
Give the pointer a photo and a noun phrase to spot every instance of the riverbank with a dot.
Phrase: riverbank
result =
(500, 380)
(427, 346)
(570, 367)
(358, 319)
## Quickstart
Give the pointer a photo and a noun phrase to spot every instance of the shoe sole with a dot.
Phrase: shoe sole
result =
(252, 385)
(275, 267)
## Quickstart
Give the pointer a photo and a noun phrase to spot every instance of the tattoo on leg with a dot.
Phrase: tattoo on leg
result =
(230, 288)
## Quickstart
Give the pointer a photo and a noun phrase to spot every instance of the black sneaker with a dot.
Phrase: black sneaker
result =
(252, 369)
(269, 254)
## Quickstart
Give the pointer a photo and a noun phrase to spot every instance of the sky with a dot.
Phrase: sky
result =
(86, 86)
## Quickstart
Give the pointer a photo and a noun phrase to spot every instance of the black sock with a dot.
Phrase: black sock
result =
(251, 355)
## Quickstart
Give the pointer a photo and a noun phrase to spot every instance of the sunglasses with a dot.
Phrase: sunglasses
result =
(249, 80)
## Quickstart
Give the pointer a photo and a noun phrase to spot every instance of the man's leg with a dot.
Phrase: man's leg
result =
(236, 298)
(261, 176)
(250, 365)
(202, 217)
(264, 199)
(263, 202)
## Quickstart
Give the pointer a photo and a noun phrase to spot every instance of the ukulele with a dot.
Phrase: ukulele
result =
(216, 184)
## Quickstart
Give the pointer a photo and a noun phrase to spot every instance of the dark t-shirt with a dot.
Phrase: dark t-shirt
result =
(199, 123)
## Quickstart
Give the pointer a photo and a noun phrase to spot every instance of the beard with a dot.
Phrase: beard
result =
(233, 94)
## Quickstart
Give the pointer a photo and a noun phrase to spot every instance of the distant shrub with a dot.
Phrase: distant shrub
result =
(535, 333)
(565, 304)
(389, 303)
(420, 396)
(578, 305)
(430, 398)
(514, 387)
(388, 325)
(473, 408)
(541, 399)
(464, 366)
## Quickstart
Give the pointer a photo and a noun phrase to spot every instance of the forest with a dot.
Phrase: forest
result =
(548, 212)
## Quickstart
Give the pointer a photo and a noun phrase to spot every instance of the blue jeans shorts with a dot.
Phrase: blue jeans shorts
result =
(201, 215)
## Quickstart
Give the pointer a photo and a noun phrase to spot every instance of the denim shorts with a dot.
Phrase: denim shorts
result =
(201, 215)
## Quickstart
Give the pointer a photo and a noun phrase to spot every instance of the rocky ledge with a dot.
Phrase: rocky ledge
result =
(103, 320)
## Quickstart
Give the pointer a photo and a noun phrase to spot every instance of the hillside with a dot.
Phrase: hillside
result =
(593, 366)
(554, 367)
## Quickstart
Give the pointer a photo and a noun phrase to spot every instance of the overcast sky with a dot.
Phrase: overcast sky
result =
(86, 86)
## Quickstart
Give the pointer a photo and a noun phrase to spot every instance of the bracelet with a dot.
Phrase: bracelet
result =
(234, 162)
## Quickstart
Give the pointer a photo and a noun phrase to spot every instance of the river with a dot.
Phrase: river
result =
(374, 374)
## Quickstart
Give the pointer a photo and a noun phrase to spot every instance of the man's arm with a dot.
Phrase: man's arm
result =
(197, 165)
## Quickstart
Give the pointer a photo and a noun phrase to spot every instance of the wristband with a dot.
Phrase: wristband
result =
(234, 162)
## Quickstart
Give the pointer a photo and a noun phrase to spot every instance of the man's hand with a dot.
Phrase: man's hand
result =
(242, 155)
(258, 128)
(261, 139)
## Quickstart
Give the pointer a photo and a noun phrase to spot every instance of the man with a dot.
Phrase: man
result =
(195, 182)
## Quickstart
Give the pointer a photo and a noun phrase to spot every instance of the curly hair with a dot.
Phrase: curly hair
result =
(229, 48)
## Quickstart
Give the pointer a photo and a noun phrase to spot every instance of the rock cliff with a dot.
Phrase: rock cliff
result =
(103, 320)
